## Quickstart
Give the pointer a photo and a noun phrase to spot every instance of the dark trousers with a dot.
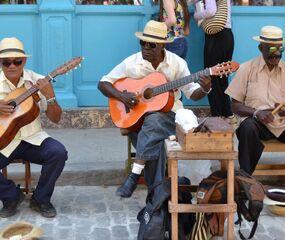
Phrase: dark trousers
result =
(149, 143)
(219, 48)
(250, 133)
(51, 154)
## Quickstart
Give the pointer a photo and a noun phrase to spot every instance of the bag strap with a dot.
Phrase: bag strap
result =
(241, 205)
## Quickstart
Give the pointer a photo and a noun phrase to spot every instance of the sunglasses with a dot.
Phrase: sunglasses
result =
(150, 44)
(274, 49)
(16, 62)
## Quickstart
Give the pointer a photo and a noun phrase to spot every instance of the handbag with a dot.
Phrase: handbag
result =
(216, 23)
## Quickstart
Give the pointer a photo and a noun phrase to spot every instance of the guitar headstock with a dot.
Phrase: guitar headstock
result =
(64, 68)
(224, 68)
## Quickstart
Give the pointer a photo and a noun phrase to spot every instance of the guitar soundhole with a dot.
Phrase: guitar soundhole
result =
(148, 93)
(13, 103)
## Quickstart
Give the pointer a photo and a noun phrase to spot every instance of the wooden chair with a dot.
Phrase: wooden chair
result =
(271, 169)
(27, 189)
(131, 156)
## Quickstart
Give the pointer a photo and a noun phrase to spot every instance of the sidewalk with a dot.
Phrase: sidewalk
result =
(96, 213)
(88, 208)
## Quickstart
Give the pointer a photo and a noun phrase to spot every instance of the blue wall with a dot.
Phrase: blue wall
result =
(54, 31)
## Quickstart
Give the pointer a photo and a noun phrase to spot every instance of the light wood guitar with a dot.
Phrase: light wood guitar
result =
(25, 107)
(155, 93)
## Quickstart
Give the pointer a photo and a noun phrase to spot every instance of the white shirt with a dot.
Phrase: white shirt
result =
(172, 67)
(32, 132)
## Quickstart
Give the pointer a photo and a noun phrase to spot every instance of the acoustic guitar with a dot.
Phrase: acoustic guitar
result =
(26, 109)
(155, 93)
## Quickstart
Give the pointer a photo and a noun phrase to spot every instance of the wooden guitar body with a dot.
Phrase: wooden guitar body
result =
(24, 113)
(131, 118)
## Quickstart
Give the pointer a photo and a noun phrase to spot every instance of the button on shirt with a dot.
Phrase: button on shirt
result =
(172, 67)
(32, 132)
(257, 87)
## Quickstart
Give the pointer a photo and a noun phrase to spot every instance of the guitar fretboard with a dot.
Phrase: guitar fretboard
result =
(179, 83)
(29, 92)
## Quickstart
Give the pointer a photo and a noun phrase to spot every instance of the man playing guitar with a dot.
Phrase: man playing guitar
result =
(30, 142)
(155, 126)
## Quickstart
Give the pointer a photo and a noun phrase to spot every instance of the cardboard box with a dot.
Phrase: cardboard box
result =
(214, 141)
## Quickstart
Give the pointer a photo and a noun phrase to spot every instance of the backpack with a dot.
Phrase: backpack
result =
(249, 195)
(154, 218)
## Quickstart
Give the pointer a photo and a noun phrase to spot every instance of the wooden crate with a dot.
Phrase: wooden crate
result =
(205, 142)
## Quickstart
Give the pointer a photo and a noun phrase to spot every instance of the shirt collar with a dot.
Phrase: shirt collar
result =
(25, 79)
(262, 64)
(147, 63)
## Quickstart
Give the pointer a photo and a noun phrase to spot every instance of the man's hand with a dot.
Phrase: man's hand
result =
(5, 108)
(129, 99)
(281, 111)
(265, 116)
(45, 88)
(205, 83)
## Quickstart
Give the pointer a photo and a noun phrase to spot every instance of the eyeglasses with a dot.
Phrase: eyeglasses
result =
(16, 62)
(274, 49)
(143, 43)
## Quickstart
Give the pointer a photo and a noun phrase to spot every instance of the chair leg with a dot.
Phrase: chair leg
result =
(27, 177)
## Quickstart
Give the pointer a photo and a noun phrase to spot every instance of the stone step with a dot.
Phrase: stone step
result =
(96, 117)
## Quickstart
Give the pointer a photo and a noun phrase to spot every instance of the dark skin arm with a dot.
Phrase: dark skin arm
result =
(205, 83)
(128, 98)
(264, 116)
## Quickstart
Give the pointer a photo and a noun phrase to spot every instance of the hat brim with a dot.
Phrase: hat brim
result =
(257, 38)
(150, 39)
(13, 54)
(269, 201)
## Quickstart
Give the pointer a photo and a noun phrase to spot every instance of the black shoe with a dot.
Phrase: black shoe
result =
(128, 187)
(10, 208)
(45, 209)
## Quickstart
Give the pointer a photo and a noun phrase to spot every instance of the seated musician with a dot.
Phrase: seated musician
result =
(31, 142)
(257, 88)
(157, 126)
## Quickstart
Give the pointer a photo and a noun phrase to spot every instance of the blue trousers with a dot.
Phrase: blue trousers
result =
(149, 143)
(51, 154)
(179, 46)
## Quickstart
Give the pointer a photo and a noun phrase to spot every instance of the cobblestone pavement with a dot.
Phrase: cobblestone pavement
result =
(96, 213)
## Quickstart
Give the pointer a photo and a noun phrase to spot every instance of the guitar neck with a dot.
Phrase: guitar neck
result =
(180, 82)
(29, 92)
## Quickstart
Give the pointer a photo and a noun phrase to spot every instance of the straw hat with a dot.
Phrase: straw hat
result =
(12, 47)
(21, 231)
(154, 32)
(277, 209)
(270, 34)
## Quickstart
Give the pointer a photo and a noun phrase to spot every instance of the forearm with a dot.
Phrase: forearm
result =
(169, 9)
(242, 110)
(109, 90)
(198, 94)
(54, 112)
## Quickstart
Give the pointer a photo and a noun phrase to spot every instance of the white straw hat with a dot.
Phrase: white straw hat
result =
(270, 34)
(154, 32)
(22, 231)
(12, 47)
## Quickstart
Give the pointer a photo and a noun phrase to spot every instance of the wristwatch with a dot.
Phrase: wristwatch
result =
(207, 92)
(51, 101)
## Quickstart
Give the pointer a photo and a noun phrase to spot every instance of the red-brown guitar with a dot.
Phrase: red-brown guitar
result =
(26, 108)
(155, 93)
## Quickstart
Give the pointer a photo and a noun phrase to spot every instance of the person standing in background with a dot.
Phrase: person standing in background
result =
(218, 48)
(176, 16)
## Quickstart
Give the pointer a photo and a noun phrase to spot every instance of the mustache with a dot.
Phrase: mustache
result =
(275, 57)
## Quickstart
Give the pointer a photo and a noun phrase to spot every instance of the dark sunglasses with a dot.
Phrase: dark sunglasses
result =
(274, 49)
(143, 43)
(16, 62)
